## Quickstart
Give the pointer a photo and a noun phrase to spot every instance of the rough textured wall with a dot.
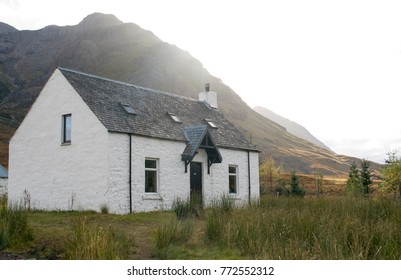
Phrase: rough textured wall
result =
(174, 182)
(117, 195)
(215, 184)
(57, 176)
(3, 185)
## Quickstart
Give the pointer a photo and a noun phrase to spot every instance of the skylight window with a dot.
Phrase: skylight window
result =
(128, 109)
(211, 123)
(175, 118)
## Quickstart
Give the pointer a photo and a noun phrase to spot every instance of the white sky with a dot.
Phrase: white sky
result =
(332, 66)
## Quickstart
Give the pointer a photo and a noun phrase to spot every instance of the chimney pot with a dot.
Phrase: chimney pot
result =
(208, 96)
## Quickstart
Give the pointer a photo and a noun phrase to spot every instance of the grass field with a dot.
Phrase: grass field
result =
(275, 228)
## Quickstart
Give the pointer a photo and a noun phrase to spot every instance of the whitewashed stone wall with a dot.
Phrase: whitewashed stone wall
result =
(57, 176)
(175, 183)
(117, 194)
(3, 186)
(215, 184)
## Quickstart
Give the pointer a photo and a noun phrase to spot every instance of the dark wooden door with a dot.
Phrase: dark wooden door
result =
(196, 180)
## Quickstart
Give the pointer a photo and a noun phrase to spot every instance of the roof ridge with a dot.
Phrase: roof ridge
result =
(127, 84)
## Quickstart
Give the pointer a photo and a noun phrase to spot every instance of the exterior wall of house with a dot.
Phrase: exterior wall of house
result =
(3, 186)
(173, 181)
(59, 176)
(117, 194)
(215, 184)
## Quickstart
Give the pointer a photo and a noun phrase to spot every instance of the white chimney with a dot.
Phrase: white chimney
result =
(208, 96)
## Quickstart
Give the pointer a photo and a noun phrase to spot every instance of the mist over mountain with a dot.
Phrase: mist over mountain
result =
(291, 126)
(105, 46)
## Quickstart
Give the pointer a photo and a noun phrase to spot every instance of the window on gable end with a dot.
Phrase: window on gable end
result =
(66, 129)
(128, 109)
(174, 117)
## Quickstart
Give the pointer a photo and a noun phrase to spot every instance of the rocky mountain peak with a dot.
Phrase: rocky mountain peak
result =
(99, 20)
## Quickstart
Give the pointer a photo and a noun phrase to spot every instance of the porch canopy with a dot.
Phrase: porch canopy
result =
(199, 137)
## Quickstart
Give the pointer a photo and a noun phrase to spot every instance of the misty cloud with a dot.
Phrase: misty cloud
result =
(12, 4)
(373, 149)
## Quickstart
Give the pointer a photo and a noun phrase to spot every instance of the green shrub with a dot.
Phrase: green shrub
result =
(104, 209)
(90, 241)
(182, 208)
(281, 188)
(192, 207)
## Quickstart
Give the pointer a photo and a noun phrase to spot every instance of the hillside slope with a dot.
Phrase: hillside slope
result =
(291, 126)
(103, 45)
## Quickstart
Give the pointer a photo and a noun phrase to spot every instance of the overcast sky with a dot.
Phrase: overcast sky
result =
(332, 66)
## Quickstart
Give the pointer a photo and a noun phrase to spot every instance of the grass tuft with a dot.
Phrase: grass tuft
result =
(171, 233)
(90, 241)
(14, 228)
(104, 209)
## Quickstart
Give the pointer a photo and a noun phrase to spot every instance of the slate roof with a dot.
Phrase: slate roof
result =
(152, 108)
(3, 172)
(195, 135)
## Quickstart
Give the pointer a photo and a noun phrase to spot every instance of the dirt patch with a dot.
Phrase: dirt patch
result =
(9, 256)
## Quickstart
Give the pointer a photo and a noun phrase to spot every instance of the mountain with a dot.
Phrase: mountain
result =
(103, 45)
(291, 126)
(5, 28)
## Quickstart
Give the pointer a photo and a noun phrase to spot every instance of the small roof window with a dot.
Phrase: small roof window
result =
(174, 117)
(211, 123)
(128, 109)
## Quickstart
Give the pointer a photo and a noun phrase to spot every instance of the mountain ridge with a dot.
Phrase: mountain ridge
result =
(291, 126)
(128, 53)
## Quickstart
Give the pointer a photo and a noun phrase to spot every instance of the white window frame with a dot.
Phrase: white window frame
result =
(156, 169)
(174, 117)
(64, 128)
(230, 174)
(211, 123)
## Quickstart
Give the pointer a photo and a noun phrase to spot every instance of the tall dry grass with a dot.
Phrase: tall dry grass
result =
(173, 232)
(91, 241)
(14, 228)
(295, 228)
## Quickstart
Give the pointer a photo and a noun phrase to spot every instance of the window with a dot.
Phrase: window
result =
(174, 117)
(128, 109)
(151, 168)
(232, 179)
(211, 123)
(66, 129)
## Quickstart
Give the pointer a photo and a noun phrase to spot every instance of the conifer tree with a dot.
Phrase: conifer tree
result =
(354, 182)
(366, 176)
(295, 185)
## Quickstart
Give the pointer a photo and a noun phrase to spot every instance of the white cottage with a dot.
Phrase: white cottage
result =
(89, 142)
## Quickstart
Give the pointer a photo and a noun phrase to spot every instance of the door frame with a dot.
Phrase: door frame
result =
(196, 192)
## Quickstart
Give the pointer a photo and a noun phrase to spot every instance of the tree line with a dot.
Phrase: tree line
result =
(359, 181)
